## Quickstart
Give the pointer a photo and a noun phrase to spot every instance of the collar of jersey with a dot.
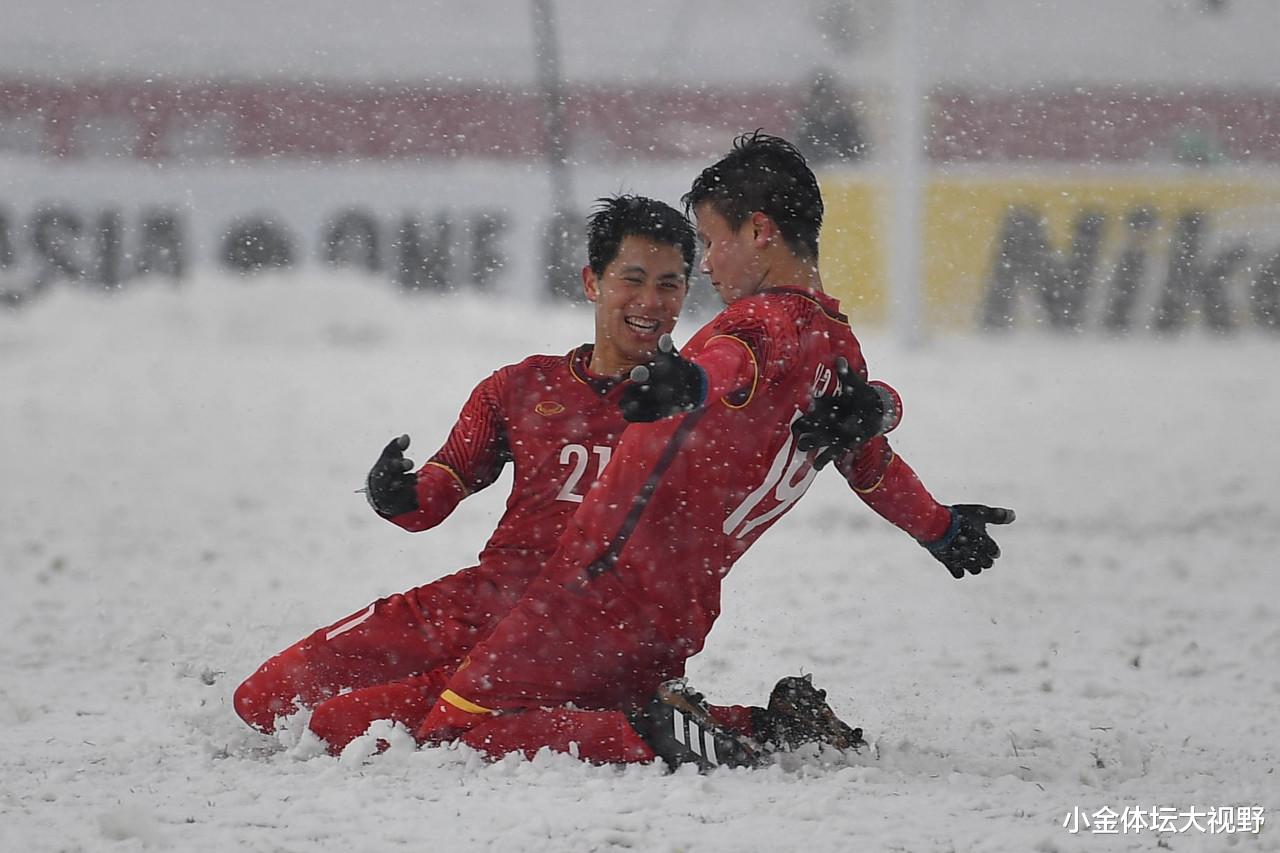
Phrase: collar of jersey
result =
(579, 367)
(829, 305)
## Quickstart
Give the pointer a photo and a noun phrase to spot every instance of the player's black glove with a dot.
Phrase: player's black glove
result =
(841, 421)
(966, 546)
(390, 487)
(666, 385)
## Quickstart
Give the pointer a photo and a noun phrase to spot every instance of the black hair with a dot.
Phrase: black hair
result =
(621, 216)
(769, 175)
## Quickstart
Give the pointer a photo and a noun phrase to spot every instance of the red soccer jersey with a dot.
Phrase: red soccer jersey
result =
(558, 424)
(555, 421)
(725, 473)
(635, 588)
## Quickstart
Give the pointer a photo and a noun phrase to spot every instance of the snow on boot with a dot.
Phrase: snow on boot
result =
(798, 714)
(680, 730)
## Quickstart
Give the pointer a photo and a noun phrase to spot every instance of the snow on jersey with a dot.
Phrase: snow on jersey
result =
(693, 492)
(635, 587)
(554, 421)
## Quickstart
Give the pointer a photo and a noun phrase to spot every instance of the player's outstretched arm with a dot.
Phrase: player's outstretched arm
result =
(966, 546)
(956, 535)
(471, 459)
(391, 487)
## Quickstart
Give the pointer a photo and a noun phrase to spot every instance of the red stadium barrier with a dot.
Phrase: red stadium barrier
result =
(324, 121)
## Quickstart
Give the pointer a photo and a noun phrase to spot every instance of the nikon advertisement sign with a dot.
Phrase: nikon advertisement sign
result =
(1122, 254)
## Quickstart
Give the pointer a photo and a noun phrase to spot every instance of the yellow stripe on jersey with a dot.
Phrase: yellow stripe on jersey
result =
(453, 474)
(464, 704)
(880, 482)
(755, 374)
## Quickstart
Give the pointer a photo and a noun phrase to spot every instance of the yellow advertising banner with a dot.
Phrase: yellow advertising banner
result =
(1120, 253)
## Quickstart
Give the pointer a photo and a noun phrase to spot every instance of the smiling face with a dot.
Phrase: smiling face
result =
(733, 258)
(637, 299)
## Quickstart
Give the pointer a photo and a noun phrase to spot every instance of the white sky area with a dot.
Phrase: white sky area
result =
(707, 42)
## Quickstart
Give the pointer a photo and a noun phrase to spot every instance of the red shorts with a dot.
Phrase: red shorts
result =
(581, 645)
(397, 637)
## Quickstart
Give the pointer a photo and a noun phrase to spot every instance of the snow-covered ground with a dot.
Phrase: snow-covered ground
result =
(178, 470)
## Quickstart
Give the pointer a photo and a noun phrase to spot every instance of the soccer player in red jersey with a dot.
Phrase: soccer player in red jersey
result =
(556, 419)
(726, 439)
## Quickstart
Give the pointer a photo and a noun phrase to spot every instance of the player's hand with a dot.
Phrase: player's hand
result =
(840, 422)
(668, 384)
(966, 546)
(390, 487)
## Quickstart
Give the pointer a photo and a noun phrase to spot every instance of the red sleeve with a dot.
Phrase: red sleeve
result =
(892, 400)
(730, 366)
(886, 483)
(747, 346)
(472, 458)
(893, 405)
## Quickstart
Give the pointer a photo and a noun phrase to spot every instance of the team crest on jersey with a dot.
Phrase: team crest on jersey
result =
(547, 408)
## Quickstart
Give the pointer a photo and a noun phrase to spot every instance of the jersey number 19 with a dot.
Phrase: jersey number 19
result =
(788, 478)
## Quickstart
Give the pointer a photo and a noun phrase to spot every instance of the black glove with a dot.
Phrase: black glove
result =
(666, 385)
(390, 487)
(842, 421)
(966, 546)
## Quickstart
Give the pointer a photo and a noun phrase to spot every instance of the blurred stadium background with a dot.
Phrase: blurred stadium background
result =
(1110, 167)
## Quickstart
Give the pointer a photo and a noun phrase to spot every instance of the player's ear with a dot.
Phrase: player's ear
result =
(590, 285)
(763, 229)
